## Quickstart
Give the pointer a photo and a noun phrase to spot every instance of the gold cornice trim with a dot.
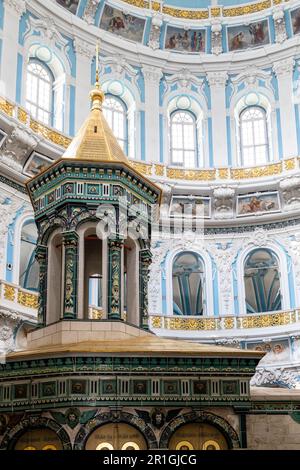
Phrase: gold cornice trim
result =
(205, 13)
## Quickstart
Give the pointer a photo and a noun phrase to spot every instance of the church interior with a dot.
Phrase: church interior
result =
(149, 225)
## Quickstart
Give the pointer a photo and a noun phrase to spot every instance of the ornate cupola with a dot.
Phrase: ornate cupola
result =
(93, 212)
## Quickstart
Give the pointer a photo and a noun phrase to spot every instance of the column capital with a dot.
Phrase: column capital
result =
(84, 49)
(217, 79)
(18, 6)
(70, 238)
(152, 74)
(284, 68)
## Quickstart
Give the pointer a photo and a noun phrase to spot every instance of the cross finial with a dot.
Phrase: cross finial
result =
(97, 62)
(97, 95)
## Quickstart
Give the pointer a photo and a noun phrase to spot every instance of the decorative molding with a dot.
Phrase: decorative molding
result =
(152, 75)
(290, 190)
(18, 6)
(279, 23)
(217, 79)
(216, 37)
(284, 68)
(251, 76)
(17, 147)
(184, 79)
(275, 377)
(154, 39)
(84, 48)
(224, 197)
(90, 11)
(119, 67)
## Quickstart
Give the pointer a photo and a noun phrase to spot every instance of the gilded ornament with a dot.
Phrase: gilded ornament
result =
(22, 115)
(290, 164)
(6, 107)
(215, 12)
(50, 134)
(28, 300)
(263, 321)
(156, 322)
(256, 172)
(198, 175)
(9, 292)
(95, 313)
(247, 9)
(229, 323)
(197, 14)
(223, 173)
(142, 168)
(159, 170)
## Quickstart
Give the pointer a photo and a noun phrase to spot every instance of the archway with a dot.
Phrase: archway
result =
(116, 436)
(198, 436)
(38, 439)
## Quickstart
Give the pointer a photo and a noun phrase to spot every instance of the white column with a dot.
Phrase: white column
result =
(284, 73)
(84, 55)
(152, 76)
(13, 10)
(217, 82)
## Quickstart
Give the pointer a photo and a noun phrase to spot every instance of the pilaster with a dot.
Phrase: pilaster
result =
(70, 241)
(13, 11)
(114, 306)
(84, 54)
(42, 258)
(284, 73)
(152, 77)
(217, 82)
(144, 275)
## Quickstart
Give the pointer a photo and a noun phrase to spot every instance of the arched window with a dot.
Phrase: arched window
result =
(262, 282)
(183, 139)
(39, 92)
(115, 112)
(188, 288)
(254, 141)
(29, 267)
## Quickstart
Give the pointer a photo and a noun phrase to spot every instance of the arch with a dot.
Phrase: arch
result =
(196, 106)
(200, 417)
(110, 417)
(39, 91)
(30, 423)
(131, 99)
(283, 270)
(88, 233)
(261, 98)
(262, 281)
(57, 63)
(25, 218)
(116, 114)
(183, 139)
(187, 281)
(116, 436)
(208, 276)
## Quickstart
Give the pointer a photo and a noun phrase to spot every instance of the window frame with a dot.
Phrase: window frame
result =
(50, 112)
(254, 146)
(196, 149)
(125, 114)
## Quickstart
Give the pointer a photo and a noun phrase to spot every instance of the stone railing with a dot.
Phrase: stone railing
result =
(158, 170)
(15, 297)
(243, 322)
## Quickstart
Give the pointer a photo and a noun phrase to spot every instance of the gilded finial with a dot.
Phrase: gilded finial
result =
(97, 95)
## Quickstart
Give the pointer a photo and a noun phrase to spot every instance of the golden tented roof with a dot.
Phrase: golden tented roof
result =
(95, 141)
(140, 346)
